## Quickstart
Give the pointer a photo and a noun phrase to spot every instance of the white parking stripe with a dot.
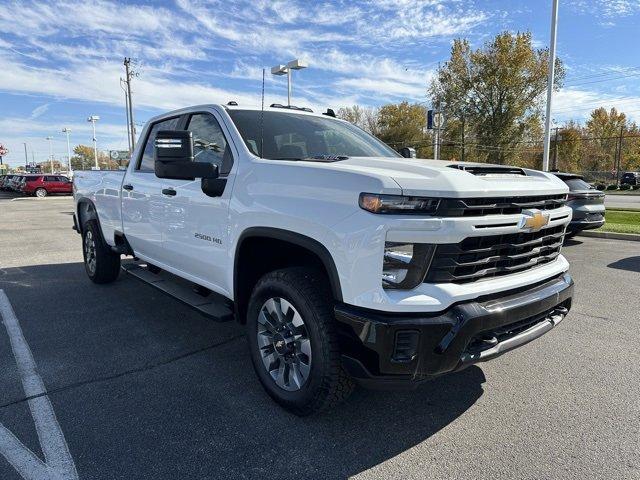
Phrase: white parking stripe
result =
(58, 463)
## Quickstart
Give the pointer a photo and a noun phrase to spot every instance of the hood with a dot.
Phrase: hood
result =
(456, 179)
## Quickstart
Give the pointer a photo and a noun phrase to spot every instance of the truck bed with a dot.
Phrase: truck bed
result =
(103, 188)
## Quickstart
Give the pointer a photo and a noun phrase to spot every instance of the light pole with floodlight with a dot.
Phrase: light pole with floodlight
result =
(296, 64)
(93, 119)
(50, 153)
(68, 131)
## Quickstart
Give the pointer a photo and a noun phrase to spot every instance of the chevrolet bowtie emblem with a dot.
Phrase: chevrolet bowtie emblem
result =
(534, 220)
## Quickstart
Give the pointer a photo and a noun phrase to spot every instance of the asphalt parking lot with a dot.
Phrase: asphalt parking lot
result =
(143, 387)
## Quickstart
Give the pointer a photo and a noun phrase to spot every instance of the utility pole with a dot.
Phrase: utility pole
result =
(462, 153)
(26, 159)
(437, 121)
(129, 76)
(552, 66)
(619, 162)
(555, 149)
(126, 103)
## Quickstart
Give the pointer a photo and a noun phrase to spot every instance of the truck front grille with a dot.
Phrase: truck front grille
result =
(477, 207)
(477, 258)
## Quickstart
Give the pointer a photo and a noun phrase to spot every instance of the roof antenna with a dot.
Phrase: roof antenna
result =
(262, 120)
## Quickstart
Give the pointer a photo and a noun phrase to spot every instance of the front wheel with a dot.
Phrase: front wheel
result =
(100, 262)
(293, 342)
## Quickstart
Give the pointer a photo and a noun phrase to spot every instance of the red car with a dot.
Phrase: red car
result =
(43, 185)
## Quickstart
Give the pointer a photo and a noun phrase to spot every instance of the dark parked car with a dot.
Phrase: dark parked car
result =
(630, 178)
(43, 185)
(587, 204)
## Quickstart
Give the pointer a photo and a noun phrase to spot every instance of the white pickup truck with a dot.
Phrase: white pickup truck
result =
(347, 262)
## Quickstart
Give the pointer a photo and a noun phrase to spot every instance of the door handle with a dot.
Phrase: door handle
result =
(169, 191)
(126, 186)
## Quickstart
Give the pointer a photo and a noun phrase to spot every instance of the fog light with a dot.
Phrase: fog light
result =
(405, 264)
(405, 348)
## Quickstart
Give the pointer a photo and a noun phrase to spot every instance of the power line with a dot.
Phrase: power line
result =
(620, 70)
(603, 80)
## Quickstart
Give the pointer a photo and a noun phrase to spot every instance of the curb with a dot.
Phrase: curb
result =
(35, 199)
(610, 235)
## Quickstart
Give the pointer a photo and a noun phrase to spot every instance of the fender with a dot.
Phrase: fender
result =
(298, 239)
(89, 214)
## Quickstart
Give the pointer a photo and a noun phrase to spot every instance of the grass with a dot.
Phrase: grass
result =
(621, 221)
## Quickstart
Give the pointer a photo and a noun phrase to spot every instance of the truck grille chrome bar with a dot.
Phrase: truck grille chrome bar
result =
(477, 258)
(477, 207)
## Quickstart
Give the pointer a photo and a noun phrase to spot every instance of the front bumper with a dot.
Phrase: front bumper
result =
(395, 350)
(588, 222)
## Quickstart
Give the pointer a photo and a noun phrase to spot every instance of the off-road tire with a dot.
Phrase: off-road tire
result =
(307, 290)
(107, 263)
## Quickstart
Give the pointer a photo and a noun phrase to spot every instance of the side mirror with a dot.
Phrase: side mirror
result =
(174, 159)
(408, 152)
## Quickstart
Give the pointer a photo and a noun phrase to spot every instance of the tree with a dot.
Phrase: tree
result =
(84, 159)
(569, 147)
(495, 92)
(604, 128)
(364, 117)
(402, 124)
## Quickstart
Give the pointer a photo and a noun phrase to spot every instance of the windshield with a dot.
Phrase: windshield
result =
(290, 136)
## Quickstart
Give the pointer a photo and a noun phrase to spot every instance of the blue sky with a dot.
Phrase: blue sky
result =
(61, 61)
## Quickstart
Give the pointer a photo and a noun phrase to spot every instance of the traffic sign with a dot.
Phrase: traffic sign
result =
(119, 155)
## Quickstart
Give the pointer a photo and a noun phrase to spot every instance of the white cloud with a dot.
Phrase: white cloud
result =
(574, 103)
(38, 111)
(385, 87)
(607, 10)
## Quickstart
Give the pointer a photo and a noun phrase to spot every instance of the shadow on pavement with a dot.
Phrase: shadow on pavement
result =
(631, 264)
(146, 388)
(571, 242)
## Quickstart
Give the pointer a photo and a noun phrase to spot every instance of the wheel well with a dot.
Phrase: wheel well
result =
(258, 255)
(86, 212)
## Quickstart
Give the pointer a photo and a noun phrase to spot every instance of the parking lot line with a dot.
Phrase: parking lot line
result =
(58, 463)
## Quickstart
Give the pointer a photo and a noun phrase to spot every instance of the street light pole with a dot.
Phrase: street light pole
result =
(552, 66)
(26, 159)
(50, 153)
(68, 131)
(296, 64)
(93, 119)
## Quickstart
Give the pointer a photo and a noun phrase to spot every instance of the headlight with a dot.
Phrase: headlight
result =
(405, 264)
(398, 204)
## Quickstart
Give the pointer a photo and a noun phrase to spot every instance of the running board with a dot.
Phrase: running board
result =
(213, 306)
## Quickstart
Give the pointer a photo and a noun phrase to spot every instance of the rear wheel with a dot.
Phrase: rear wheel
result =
(100, 262)
(293, 343)
(41, 193)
